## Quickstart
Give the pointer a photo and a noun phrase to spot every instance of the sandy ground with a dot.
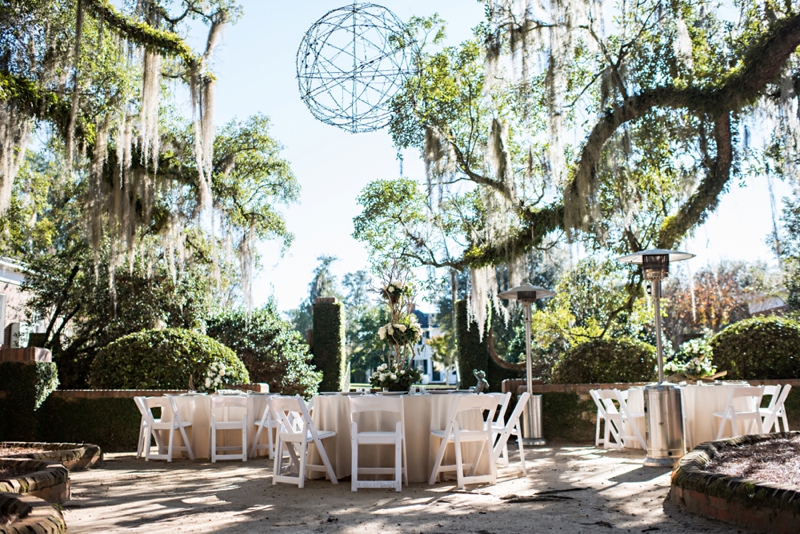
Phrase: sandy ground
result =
(589, 490)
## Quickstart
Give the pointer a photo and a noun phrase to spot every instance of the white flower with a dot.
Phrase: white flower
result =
(382, 332)
(400, 327)
(208, 382)
(382, 367)
(393, 376)
(391, 289)
(402, 372)
(222, 372)
(390, 330)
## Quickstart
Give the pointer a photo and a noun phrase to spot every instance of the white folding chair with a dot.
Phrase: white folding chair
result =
(511, 428)
(773, 414)
(359, 405)
(264, 422)
(168, 406)
(499, 422)
(228, 412)
(455, 434)
(743, 405)
(295, 432)
(144, 429)
(612, 419)
(629, 419)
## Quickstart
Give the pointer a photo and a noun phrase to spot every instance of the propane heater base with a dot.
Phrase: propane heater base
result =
(534, 442)
(660, 462)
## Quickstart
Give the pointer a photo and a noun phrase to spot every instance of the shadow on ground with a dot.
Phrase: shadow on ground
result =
(568, 489)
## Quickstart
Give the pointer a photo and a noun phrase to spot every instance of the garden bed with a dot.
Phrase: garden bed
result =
(44, 479)
(24, 514)
(749, 481)
(73, 456)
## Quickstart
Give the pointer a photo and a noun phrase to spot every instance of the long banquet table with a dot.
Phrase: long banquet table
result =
(196, 408)
(699, 404)
(423, 413)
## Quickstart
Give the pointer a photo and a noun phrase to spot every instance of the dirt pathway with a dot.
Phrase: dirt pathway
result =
(568, 489)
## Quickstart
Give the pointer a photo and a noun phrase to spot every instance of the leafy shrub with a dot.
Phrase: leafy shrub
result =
(270, 349)
(759, 348)
(606, 360)
(162, 359)
(26, 386)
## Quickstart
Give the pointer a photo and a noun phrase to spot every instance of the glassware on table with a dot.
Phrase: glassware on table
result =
(422, 390)
(413, 390)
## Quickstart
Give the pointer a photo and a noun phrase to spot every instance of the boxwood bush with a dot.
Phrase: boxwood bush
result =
(759, 348)
(27, 386)
(271, 350)
(162, 359)
(606, 360)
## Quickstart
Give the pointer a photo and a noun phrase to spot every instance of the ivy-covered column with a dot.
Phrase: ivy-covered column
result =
(473, 352)
(328, 343)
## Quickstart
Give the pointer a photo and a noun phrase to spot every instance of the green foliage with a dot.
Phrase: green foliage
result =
(759, 348)
(473, 354)
(27, 386)
(162, 359)
(606, 361)
(112, 423)
(85, 313)
(565, 417)
(329, 342)
(270, 349)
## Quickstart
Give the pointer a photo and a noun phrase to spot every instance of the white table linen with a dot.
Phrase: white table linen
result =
(423, 413)
(700, 403)
(197, 410)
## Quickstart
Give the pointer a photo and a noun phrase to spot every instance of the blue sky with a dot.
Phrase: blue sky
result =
(256, 71)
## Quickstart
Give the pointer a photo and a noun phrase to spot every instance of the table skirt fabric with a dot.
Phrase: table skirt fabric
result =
(700, 403)
(197, 410)
(423, 413)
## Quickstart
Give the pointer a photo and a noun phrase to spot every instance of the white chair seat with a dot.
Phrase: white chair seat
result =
(453, 434)
(154, 426)
(295, 432)
(224, 409)
(391, 406)
(749, 395)
(511, 428)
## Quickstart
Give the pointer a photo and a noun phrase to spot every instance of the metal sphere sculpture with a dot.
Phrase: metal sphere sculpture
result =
(350, 64)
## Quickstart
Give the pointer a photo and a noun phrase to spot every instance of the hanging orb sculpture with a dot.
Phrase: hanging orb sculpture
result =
(350, 64)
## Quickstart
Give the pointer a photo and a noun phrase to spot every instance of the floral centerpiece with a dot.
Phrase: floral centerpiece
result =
(215, 377)
(693, 361)
(402, 334)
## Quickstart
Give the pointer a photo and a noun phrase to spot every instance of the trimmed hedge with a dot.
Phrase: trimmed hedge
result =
(162, 359)
(606, 361)
(270, 349)
(112, 423)
(328, 345)
(473, 353)
(27, 385)
(759, 348)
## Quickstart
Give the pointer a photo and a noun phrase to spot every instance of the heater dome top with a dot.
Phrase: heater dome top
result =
(673, 255)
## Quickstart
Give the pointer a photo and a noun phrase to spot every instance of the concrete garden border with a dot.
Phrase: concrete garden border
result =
(764, 506)
(73, 456)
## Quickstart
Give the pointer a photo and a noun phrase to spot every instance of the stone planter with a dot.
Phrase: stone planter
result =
(758, 505)
(73, 456)
(32, 515)
(43, 479)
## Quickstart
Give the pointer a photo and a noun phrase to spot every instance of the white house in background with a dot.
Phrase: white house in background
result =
(432, 372)
(760, 304)
(14, 324)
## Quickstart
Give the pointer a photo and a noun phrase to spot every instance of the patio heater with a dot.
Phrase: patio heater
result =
(663, 413)
(532, 427)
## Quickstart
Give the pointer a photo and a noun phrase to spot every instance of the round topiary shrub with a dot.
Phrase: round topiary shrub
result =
(163, 359)
(759, 348)
(606, 361)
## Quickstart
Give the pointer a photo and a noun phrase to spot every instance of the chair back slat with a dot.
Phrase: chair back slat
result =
(375, 404)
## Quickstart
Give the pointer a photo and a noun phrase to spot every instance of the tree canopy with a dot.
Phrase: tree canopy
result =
(615, 124)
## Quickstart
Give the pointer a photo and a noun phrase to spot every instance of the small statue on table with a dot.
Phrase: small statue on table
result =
(482, 385)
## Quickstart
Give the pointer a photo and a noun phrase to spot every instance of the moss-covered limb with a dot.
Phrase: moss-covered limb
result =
(37, 102)
(538, 223)
(705, 199)
(142, 33)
